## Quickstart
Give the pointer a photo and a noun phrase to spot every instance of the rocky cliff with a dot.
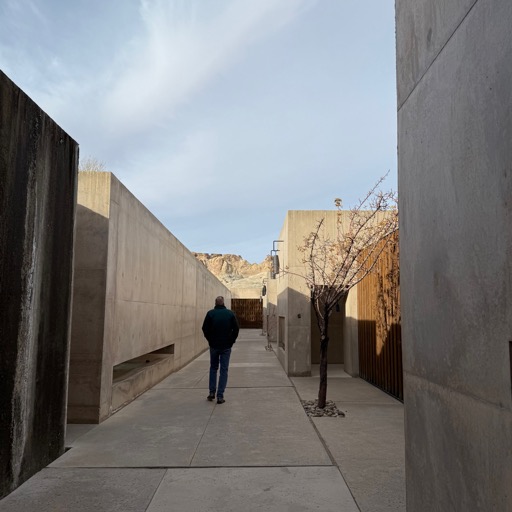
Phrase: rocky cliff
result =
(234, 271)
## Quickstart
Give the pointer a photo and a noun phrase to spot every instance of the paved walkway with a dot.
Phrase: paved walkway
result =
(171, 449)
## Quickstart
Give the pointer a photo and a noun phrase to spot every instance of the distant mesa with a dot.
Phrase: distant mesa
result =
(234, 271)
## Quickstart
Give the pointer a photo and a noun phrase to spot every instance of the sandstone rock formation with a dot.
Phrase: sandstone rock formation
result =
(234, 271)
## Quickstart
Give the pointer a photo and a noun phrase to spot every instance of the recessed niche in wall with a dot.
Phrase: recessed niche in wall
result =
(132, 366)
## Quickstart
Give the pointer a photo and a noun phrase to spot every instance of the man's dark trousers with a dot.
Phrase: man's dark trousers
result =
(219, 356)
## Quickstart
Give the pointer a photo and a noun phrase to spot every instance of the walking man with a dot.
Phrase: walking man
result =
(220, 328)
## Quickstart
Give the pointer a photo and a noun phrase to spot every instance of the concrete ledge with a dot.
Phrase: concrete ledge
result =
(139, 380)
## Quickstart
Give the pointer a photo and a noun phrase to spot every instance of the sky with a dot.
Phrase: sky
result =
(218, 115)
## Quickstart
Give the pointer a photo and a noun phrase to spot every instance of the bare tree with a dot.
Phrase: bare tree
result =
(334, 265)
(91, 164)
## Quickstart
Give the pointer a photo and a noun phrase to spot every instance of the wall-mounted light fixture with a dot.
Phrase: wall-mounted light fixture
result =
(275, 258)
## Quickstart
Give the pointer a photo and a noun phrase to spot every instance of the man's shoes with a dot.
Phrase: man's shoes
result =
(220, 400)
(210, 398)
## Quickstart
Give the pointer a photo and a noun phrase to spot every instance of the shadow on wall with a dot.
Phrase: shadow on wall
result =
(88, 315)
(336, 348)
(380, 357)
(270, 323)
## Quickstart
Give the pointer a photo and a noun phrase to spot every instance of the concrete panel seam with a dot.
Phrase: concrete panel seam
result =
(436, 56)
(156, 487)
(202, 435)
(451, 390)
(324, 444)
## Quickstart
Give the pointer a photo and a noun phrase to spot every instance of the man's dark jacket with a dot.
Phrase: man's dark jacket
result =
(220, 327)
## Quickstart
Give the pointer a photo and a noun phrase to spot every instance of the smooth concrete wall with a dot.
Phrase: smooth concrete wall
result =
(137, 290)
(455, 184)
(351, 335)
(270, 311)
(245, 293)
(293, 295)
(38, 175)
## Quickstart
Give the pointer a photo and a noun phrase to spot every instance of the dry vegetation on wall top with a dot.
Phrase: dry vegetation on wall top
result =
(234, 271)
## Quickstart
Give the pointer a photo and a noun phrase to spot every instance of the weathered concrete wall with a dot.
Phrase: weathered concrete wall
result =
(137, 290)
(455, 184)
(38, 169)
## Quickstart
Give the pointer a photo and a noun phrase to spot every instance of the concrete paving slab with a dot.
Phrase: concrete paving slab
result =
(254, 490)
(335, 371)
(368, 446)
(260, 427)
(182, 380)
(275, 365)
(256, 376)
(342, 390)
(239, 356)
(85, 490)
(74, 431)
(162, 428)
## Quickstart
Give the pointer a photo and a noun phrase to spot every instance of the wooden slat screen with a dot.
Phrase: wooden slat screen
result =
(249, 312)
(379, 329)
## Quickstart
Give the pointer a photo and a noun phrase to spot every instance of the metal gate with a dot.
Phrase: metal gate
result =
(249, 312)
(379, 328)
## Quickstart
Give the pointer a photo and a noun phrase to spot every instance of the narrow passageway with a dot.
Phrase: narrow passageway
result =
(171, 449)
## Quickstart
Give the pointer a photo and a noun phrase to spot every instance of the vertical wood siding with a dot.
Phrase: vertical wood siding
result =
(380, 341)
(249, 313)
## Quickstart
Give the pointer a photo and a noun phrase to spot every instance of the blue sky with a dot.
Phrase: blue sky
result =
(219, 115)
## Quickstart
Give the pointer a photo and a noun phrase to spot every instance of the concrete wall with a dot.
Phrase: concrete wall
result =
(455, 184)
(137, 290)
(293, 299)
(351, 335)
(246, 293)
(38, 169)
(270, 310)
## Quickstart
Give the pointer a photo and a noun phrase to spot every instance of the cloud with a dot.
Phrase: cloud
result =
(176, 184)
(180, 50)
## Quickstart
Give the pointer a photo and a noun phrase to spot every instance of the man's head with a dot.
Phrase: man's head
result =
(219, 301)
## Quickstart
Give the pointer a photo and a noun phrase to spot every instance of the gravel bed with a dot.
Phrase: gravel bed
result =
(330, 410)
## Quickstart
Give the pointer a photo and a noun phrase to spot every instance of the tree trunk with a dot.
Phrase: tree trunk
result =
(322, 390)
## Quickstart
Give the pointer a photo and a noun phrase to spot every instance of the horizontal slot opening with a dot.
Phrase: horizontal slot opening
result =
(128, 368)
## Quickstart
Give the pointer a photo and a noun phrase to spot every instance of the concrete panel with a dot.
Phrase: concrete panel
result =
(351, 335)
(459, 451)
(299, 350)
(253, 489)
(368, 447)
(246, 293)
(252, 375)
(38, 168)
(159, 429)
(342, 390)
(423, 28)
(237, 437)
(89, 313)
(73, 432)
(84, 390)
(455, 184)
(87, 490)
